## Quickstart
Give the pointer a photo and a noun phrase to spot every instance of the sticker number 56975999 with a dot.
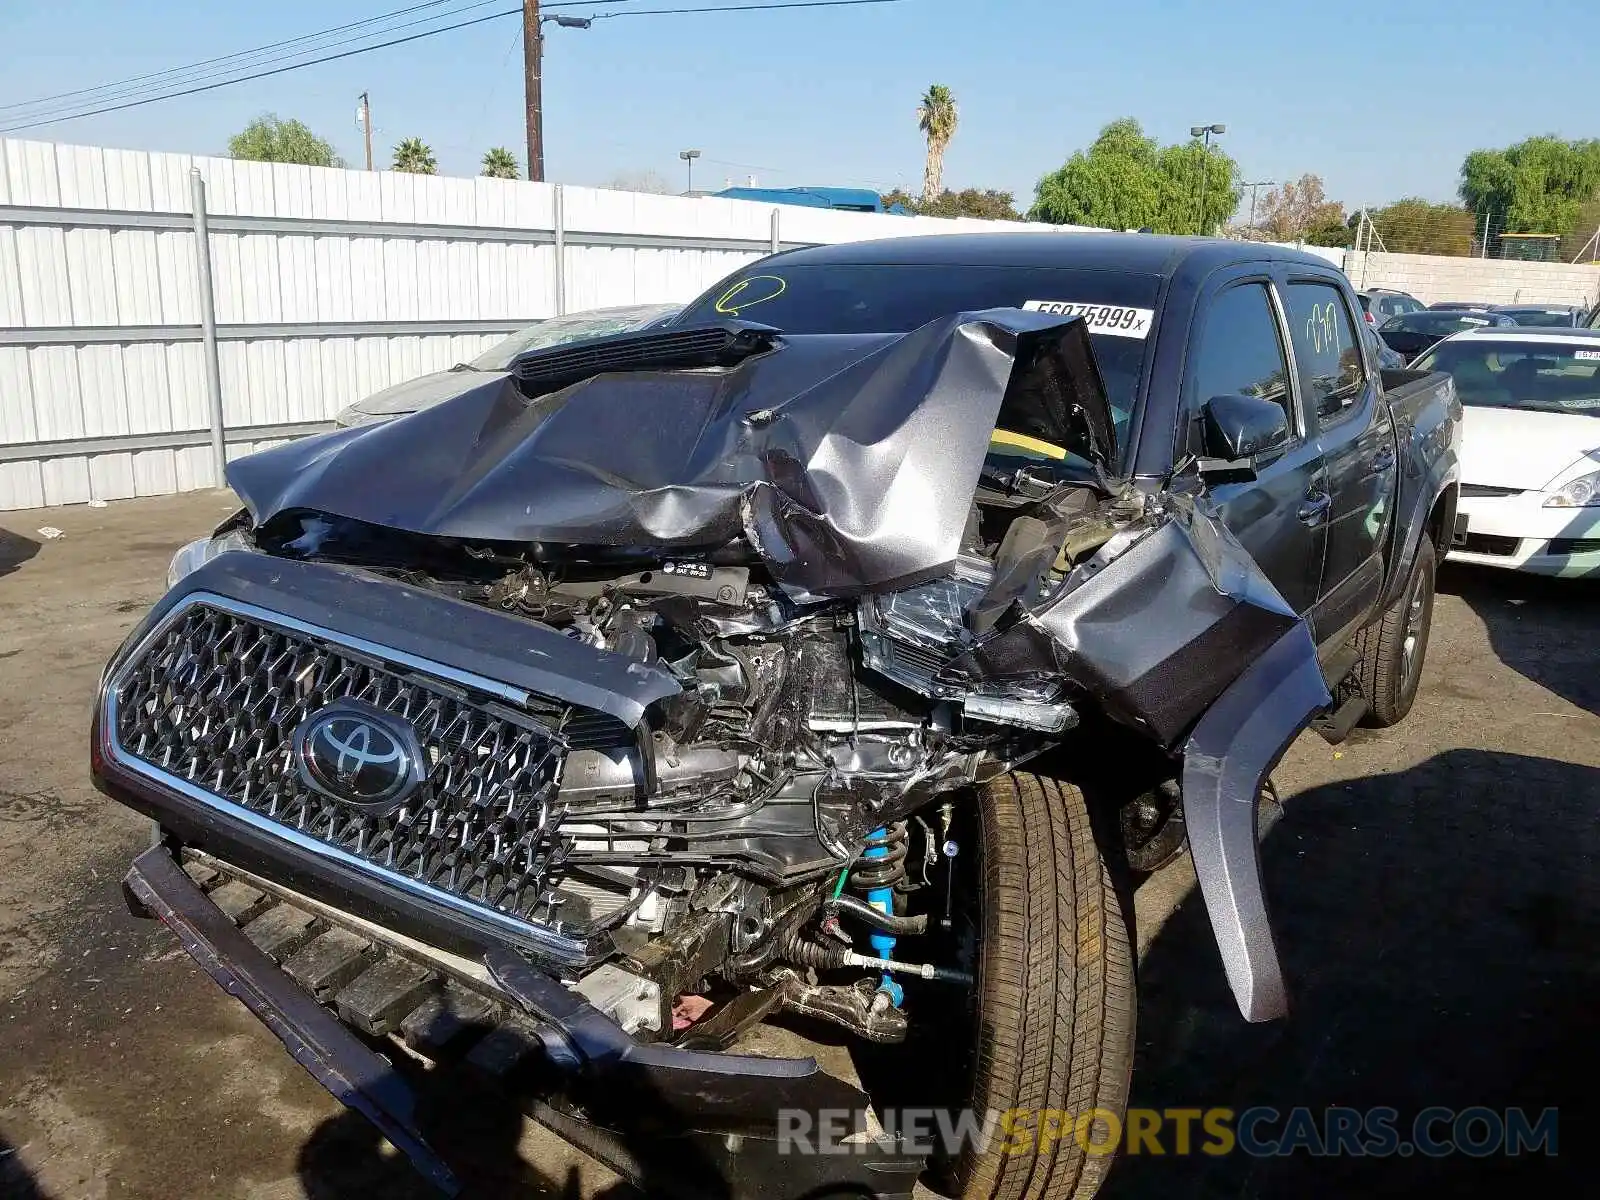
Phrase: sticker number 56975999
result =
(1114, 319)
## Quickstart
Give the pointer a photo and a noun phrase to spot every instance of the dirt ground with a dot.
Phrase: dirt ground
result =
(1434, 890)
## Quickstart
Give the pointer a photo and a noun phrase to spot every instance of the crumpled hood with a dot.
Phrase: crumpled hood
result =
(1518, 448)
(848, 462)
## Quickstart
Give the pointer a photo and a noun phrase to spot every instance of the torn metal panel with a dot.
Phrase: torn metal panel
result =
(1225, 765)
(1155, 627)
(847, 462)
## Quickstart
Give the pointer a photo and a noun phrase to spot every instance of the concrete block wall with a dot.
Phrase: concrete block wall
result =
(1431, 278)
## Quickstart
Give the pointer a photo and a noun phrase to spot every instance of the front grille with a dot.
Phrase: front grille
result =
(1488, 543)
(1574, 545)
(1485, 490)
(215, 700)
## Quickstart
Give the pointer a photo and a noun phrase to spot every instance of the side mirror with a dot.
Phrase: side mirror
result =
(1239, 428)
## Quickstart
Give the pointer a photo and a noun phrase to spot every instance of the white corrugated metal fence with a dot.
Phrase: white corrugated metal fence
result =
(327, 285)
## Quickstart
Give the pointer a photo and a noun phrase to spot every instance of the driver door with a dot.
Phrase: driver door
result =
(1279, 517)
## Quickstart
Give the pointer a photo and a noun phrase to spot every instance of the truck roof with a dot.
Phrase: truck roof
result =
(1147, 253)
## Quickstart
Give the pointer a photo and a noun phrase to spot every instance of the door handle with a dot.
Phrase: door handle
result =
(1383, 460)
(1314, 507)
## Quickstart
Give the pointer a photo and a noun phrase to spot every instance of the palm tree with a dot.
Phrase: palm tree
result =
(500, 163)
(937, 118)
(415, 157)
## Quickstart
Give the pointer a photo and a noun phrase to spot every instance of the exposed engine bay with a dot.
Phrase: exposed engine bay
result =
(803, 736)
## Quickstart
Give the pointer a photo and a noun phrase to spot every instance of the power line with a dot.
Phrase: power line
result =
(724, 8)
(195, 75)
(211, 87)
(34, 120)
(207, 62)
(156, 89)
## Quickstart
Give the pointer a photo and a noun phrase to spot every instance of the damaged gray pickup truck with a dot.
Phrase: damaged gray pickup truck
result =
(831, 654)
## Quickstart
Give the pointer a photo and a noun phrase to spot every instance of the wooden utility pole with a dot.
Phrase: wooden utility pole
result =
(532, 56)
(366, 127)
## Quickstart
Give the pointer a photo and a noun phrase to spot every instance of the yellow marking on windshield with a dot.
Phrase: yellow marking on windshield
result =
(1004, 437)
(725, 302)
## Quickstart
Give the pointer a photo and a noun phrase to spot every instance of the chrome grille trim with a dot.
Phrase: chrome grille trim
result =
(561, 945)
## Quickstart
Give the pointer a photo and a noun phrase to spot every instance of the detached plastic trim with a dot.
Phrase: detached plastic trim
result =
(356, 1076)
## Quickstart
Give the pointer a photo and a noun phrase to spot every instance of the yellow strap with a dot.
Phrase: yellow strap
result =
(1004, 437)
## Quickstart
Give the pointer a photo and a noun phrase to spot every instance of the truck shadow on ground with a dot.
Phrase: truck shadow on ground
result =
(1438, 929)
(15, 550)
(16, 1181)
(346, 1157)
(1540, 627)
(479, 1131)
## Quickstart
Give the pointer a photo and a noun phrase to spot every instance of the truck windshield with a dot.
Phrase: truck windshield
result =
(899, 297)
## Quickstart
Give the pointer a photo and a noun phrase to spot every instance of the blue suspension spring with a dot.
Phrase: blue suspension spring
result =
(884, 865)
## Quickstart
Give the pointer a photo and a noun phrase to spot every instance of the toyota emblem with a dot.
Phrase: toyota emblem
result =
(358, 755)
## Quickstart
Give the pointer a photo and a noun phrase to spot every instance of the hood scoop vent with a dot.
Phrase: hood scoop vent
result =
(725, 345)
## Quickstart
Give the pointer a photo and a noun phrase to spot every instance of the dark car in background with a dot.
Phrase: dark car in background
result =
(1385, 355)
(1545, 316)
(1412, 333)
(1455, 305)
(1379, 304)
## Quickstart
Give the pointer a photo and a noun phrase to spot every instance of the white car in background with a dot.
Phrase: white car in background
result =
(495, 362)
(1530, 459)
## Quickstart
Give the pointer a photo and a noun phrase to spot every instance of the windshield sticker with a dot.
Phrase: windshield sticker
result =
(749, 292)
(1587, 355)
(1472, 320)
(1101, 318)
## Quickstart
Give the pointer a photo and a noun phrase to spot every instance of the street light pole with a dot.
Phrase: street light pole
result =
(1260, 183)
(688, 157)
(1204, 132)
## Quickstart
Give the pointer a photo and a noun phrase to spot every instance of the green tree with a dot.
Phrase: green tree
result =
(500, 163)
(1128, 180)
(1414, 226)
(268, 139)
(1538, 185)
(1581, 241)
(415, 157)
(986, 204)
(937, 118)
(1334, 231)
(1301, 211)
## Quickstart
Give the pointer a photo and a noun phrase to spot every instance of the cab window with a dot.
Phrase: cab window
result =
(1240, 352)
(1325, 348)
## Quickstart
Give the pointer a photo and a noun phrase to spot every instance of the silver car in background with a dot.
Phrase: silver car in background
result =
(428, 390)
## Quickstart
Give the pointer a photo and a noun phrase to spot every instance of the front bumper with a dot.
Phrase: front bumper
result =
(676, 1122)
(1516, 532)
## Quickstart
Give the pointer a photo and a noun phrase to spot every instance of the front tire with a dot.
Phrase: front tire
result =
(1055, 996)
(1392, 650)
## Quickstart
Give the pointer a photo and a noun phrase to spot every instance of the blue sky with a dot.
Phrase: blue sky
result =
(828, 96)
